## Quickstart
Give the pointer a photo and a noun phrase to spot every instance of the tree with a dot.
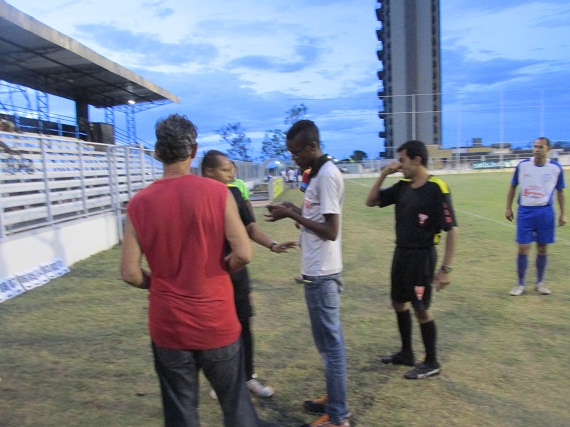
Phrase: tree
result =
(234, 135)
(359, 155)
(274, 146)
(295, 113)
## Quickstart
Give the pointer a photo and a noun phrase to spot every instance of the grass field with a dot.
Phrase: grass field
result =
(75, 352)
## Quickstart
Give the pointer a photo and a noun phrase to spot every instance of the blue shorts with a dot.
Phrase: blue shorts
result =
(535, 224)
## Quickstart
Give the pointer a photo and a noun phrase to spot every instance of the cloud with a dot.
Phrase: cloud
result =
(512, 30)
(148, 47)
(165, 13)
(265, 63)
(306, 54)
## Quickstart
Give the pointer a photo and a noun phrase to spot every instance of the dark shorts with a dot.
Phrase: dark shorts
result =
(240, 280)
(412, 274)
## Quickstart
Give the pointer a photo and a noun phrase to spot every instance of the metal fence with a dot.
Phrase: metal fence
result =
(57, 179)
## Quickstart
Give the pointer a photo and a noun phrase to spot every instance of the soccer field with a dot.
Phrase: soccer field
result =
(76, 351)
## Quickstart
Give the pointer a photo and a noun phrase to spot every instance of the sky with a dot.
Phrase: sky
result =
(505, 65)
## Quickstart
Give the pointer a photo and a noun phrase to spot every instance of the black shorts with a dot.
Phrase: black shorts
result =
(412, 274)
(240, 280)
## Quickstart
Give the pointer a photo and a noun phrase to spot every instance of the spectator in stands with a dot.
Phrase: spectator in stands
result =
(539, 178)
(216, 165)
(182, 224)
(6, 125)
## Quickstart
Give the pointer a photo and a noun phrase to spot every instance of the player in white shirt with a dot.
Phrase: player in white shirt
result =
(538, 178)
(320, 219)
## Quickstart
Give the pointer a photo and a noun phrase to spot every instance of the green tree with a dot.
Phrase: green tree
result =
(359, 155)
(295, 113)
(274, 146)
(274, 142)
(234, 135)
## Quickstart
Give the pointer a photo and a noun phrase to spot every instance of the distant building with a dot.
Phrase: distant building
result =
(410, 92)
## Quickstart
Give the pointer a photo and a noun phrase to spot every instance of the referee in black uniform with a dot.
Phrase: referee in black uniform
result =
(423, 210)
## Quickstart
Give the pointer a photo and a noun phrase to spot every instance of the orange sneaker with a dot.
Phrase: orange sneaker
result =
(324, 421)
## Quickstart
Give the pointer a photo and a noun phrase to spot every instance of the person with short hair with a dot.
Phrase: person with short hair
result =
(189, 230)
(217, 166)
(320, 218)
(239, 183)
(423, 210)
(538, 178)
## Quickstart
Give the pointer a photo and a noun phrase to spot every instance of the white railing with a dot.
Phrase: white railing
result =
(57, 179)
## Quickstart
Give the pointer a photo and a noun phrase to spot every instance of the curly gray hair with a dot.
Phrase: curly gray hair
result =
(175, 138)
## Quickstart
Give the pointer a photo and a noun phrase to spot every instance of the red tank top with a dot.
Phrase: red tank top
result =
(180, 227)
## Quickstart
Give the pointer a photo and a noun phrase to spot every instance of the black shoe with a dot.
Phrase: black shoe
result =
(316, 406)
(422, 370)
(400, 358)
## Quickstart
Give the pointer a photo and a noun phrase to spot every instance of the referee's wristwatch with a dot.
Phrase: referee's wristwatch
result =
(446, 268)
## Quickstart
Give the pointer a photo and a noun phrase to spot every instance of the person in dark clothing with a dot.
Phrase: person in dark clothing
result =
(423, 210)
(216, 165)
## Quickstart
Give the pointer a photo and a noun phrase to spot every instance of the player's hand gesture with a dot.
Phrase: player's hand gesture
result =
(282, 247)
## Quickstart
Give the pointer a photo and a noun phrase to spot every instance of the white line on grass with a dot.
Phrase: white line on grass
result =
(506, 224)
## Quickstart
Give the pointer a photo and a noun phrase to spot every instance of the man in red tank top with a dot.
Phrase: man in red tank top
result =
(181, 223)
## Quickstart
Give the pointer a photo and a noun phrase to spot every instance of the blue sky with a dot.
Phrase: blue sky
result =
(504, 64)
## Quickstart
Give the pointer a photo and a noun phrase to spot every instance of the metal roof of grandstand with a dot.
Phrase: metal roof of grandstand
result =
(39, 57)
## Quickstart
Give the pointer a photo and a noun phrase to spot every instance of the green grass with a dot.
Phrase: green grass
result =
(76, 351)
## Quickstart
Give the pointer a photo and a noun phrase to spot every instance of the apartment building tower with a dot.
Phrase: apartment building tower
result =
(410, 88)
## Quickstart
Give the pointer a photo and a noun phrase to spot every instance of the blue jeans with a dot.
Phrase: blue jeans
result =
(178, 371)
(322, 294)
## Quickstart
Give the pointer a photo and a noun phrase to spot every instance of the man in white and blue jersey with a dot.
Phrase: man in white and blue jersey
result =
(538, 178)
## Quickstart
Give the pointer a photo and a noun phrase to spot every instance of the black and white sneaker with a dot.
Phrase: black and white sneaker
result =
(422, 370)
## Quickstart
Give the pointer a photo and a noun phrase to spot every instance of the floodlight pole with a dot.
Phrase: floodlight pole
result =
(501, 125)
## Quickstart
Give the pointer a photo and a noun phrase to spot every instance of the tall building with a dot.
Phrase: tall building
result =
(410, 91)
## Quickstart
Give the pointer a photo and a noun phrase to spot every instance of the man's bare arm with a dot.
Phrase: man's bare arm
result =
(131, 257)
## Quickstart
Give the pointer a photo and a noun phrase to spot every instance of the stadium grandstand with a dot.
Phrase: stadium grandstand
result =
(64, 183)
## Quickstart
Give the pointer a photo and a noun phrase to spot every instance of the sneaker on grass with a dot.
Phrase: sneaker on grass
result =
(422, 370)
(316, 406)
(400, 358)
(542, 289)
(255, 386)
(517, 290)
(259, 389)
(324, 421)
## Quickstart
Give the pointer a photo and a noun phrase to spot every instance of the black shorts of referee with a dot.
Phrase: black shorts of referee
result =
(412, 275)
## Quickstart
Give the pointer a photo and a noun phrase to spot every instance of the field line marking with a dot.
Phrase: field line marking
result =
(506, 224)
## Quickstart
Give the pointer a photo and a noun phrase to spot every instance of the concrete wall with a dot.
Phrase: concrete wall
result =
(71, 241)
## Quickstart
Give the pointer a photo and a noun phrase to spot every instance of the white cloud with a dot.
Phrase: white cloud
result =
(535, 31)
(251, 60)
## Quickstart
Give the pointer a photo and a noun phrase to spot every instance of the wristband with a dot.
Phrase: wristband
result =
(271, 246)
